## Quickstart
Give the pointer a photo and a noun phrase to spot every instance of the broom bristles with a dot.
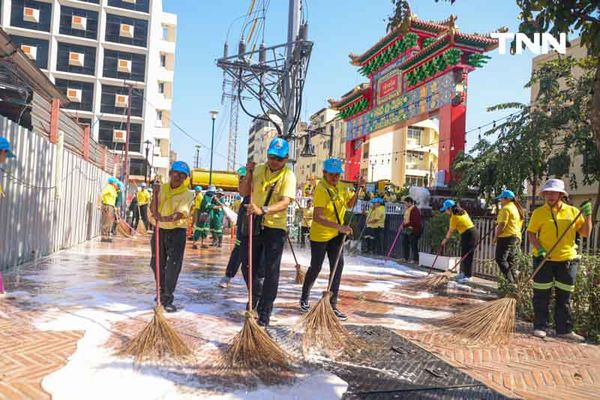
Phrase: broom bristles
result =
(300, 275)
(156, 341)
(491, 322)
(323, 331)
(141, 229)
(254, 350)
(431, 282)
(124, 229)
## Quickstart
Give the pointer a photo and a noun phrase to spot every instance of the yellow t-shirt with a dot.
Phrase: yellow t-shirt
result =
(175, 200)
(307, 216)
(236, 205)
(109, 195)
(376, 218)
(262, 179)
(143, 197)
(198, 201)
(549, 225)
(509, 215)
(461, 223)
(341, 195)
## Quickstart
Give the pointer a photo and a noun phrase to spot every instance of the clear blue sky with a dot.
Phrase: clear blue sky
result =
(337, 27)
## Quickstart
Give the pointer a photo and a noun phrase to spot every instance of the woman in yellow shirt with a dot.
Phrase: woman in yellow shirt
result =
(331, 200)
(375, 224)
(508, 233)
(469, 236)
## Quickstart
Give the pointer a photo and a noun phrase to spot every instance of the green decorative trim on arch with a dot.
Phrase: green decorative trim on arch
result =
(430, 68)
(354, 109)
(409, 41)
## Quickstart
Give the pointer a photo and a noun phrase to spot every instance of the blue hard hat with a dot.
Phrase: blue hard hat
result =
(377, 200)
(242, 171)
(447, 205)
(198, 188)
(121, 185)
(180, 166)
(5, 145)
(211, 189)
(112, 180)
(333, 166)
(143, 185)
(238, 197)
(278, 147)
(506, 194)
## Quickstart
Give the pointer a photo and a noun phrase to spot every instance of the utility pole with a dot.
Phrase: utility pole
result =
(213, 116)
(289, 83)
(197, 162)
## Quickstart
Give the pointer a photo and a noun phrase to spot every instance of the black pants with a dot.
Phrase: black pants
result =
(235, 259)
(267, 249)
(468, 241)
(374, 239)
(135, 218)
(144, 215)
(561, 276)
(506, 256)
(410, 246)
(318, 250)
(171, 249)
(304, 232)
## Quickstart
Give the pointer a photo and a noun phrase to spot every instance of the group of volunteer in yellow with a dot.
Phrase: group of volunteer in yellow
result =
(267, 189)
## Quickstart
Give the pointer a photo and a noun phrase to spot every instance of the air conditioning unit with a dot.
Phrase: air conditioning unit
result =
(130, 1)
(31, 14)
(119, 136)
(78, 22)
(30, 51)
(121, 100)
(74, 95)
(126, 30)
(124, 66)
(76, 59)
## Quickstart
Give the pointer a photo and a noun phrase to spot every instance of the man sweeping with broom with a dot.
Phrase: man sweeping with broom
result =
(171, 212)
(272, 187)
(546, 226)
(327, 233)
(109, 199)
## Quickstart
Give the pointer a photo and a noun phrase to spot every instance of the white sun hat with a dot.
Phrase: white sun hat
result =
(554, 185)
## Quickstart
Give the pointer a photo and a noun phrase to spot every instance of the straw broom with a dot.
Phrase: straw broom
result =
(253, 349)
(299, 280)
(322, 329)
(141, 228)
(494, 321)
(437, 281)
(158, 339)
(124, 229)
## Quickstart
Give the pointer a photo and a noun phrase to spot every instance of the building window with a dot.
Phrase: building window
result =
(126, 30)
(31, 14)
(314, 168)
(106, 135)
(78, 22)
(414, 180)
(76, 59)
(159, 118)
(115, 100)
(165, 32)
(113, 67)
(135, 5)
(163, 60)
(85, 91)
(414, 135)
(36, 49)
(161, 87)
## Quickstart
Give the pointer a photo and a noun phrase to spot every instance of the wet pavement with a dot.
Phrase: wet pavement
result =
(105, 293)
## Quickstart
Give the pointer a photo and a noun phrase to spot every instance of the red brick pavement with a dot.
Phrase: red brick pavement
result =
(28, 354)
(527, 368)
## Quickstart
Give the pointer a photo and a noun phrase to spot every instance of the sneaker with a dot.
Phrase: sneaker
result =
(539, 333)
(224, 283)
(572, 337)
(340, 315)
(170, 308)
(459, 277)
(263, 321)
(304, 306)
(466, 279)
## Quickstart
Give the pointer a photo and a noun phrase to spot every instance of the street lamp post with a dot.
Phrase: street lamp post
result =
(146, 170)
(213, 115)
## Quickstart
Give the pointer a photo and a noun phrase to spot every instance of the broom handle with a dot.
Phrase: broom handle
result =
(250, 244)
(157, 253)
(539, 267)
(400, 229)
(292, 248)
(453, 269)
(341, 249)
(439, 252)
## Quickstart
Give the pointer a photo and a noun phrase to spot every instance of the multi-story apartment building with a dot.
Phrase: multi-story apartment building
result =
(93, 50)
(405, 156)
(259, 136)
(323, 125)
